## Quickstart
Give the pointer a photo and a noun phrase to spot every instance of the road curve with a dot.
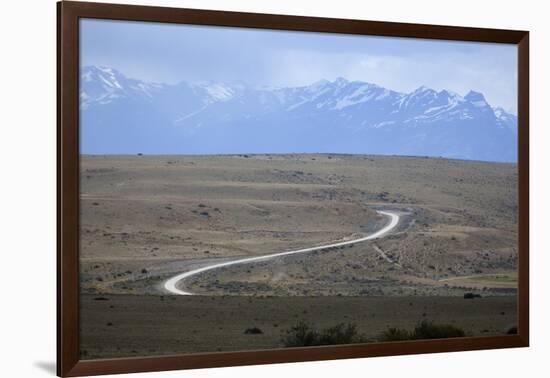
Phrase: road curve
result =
(170, 284)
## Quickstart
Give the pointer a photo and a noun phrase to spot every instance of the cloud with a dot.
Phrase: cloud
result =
(172, 53)
(459, 72)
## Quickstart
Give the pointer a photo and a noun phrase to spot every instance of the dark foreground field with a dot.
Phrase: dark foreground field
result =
(132, 325)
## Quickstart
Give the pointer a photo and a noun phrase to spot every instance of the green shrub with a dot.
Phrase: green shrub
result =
(303, 334)
(423, 330)
(428, 330)
(395, 334)
(339, 334)
(253, 331)
(512, 330)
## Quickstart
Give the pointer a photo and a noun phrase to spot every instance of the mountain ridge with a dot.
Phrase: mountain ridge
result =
(123, 115)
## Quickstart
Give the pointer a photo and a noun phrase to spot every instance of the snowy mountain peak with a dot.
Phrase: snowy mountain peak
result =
(318, 85)
(423, 89)
(107, 76)
(329, 116)
(478, 100)
(474, 96)
(450, 94)
(340, 81)
(102, 85)
(220, 92)
(500, 113)
(505, 119)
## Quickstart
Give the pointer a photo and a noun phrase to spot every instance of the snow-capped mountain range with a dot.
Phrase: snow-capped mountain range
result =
(122, 115)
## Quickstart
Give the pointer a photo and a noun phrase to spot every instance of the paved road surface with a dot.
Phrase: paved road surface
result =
(171, 284)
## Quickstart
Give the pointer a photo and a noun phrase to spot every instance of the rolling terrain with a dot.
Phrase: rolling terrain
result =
(145, 219)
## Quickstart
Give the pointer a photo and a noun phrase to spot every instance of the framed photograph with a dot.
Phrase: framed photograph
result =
(238, 188)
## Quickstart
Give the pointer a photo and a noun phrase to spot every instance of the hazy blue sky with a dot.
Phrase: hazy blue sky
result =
(171, 53)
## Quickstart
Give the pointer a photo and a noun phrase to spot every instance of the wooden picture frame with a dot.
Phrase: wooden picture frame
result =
(69, 13)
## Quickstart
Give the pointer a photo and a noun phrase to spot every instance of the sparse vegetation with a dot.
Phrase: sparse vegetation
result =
(424, 330)
(304, 334)
(221, 321)
(395, 334)
(253, 331)
(202, 212)
(269, 204)
(471, 295)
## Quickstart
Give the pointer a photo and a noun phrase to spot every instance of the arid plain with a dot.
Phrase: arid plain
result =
(145, 219)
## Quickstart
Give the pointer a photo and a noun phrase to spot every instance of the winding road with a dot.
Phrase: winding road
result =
(171, 284)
